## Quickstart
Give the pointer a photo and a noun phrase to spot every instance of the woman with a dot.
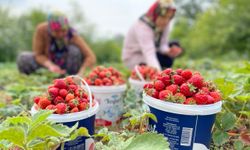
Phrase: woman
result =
(147, 42)
(58, 48)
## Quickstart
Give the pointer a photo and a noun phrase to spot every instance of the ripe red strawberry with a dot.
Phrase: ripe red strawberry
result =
(73, 103)
(69, 97)
(105, 74)
(58, 100)
(36, 100)
(165, 95)
(51, 107)
(63, 93)
(190, 101)
(178, 71)
(173, 88)
(53, 92)
(60, 83)
(148, 86)
(153, 93)
(179, 98)
(159, 85)
(74, 110)
(83, 106)
(168, 71)
(216, 95)
(201, 99)
(210, 99)
(177, 79)
(187, 89)
(186, 74)
(98, 82)
(196, 80)
(69, 80)
(72, 87)
(204, 90)
(93, 75)
(166, 80)
(43, 103)
(61, 108)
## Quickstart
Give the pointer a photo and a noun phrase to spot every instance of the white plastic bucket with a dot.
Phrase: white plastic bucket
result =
(137, 87)
(187, 127)
(84, 118)
(110, 99)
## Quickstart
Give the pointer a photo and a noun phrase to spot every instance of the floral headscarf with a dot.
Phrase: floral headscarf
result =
(159, 8)
(58, 21)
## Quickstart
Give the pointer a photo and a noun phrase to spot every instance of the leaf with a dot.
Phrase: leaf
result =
(243, 98)
(226, 87)
(148, 141)
(150, 115)
(17, 121)
(80, 132)
(238, 145)
(64, 130)
(5, 144)
(134, 121)
(220, 137)
(228, 121)
(16, 101)
(35, 142)
(40, 116)
(43, 131)
(247, 113)
(15, 135)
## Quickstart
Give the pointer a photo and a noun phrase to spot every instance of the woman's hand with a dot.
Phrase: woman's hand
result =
(174, 51)
(56, 69)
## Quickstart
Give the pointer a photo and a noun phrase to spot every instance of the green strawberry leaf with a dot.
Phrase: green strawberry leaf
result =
(238, 145)
(17, 121)
(36, 143)
(220, 137)
(79, 132)
(149, 115)
(40, 116)
(15, 135)
(5, 144)
(145, 142)
(227, 121)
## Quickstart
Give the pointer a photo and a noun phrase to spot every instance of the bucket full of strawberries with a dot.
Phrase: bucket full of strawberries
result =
(108, 87)
(72, 102)
(140, 76)
(185, 106)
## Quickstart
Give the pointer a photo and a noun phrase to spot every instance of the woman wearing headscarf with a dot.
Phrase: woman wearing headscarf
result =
(57, 47)
(147, 40)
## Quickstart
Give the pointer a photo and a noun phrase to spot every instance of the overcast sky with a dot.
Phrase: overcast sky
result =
(110, 16)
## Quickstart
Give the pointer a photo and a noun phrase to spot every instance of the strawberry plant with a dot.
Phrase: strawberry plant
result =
(24, 132)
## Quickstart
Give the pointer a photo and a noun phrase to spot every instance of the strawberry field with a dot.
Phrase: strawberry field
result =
(17, 92)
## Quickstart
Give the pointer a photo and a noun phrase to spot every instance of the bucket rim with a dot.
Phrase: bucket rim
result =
(133, 81)
(182, 109)
(71, 117)
(108, 89)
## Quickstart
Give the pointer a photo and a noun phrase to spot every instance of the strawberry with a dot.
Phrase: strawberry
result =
(93, 75)
(210, 99)
(43, 103)
(61, 108)
(51, 107)
(69, 80)
(148, 86)
(177, 79)
(69, 97)
(165, 95)
(187, 89)
(104, 74)
(36, 100)
(196, 80)
(179, 98)
(168, 71)
(63, 93)
(201, 99)
(178, 71)
(166, 80)
(73, 103)
(216, 95)
(159, 85)
(186, 74)
(204, 90)
(74, 110)
(153, 93)
(53, 92)
(58, 100)
(83, 106)
(72, 87)
(173, 88)
(60, 83)
(190, 101)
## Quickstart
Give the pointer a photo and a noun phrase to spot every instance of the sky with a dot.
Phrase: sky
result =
(111, 17)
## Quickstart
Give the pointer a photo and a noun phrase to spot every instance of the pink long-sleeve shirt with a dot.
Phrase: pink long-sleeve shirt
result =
(139, 46)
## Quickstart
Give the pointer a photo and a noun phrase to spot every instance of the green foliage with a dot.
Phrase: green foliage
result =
(36, 132)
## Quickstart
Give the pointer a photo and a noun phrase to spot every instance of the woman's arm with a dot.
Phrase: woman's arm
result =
(145, 37)
(89, 56)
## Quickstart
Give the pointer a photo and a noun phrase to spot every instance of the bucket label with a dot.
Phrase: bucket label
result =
(183, 131)
(111, 108)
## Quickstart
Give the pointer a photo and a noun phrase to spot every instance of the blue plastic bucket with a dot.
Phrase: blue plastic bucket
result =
(84, 118)
(187, 127)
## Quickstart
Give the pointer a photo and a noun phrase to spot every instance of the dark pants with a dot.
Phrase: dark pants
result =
(165, 61)
(27, 64)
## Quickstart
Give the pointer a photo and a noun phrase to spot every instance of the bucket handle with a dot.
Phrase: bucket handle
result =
(87, 87)
(139, 74)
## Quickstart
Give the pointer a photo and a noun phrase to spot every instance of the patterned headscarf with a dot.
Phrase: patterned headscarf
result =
(159, 8)
(58, 21)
